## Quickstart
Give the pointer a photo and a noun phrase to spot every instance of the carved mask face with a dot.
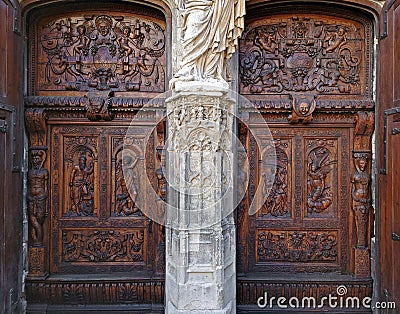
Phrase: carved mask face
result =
(304, 108)
(104, 28)
(82, 163)
(36, 161)
(361, 164)
(127, 32)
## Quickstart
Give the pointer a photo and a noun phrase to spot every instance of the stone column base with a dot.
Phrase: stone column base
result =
(229, 309)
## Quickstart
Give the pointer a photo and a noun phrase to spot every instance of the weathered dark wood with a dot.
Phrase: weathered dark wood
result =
(11, 139)
(389, 152)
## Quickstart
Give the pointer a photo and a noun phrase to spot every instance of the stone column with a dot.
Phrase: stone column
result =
(200, 259)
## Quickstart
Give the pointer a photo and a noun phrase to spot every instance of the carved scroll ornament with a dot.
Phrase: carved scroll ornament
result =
(101, 52)
(302, 53)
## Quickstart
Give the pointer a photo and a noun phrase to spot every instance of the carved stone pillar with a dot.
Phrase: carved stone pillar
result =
(200, 261)
(38, 177)
(361, 192)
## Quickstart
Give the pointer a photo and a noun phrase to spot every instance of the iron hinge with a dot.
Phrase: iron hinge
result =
(3, 126)
(394, 131)
(395, 237)
(11, 129)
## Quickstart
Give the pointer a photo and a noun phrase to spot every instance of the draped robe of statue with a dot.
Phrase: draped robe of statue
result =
(211, 29)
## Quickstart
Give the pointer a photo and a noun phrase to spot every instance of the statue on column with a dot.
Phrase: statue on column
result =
(361, 197)
(211, 29)
(37, 194)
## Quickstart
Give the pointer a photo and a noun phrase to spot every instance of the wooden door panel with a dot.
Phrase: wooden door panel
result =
(11, 147)
(388, 152)
(299, 226)
(309, 74)
(90, 72)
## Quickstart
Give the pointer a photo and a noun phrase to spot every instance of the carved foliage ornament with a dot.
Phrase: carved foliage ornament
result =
(303, 53)
(296, 246)
(101, 52)
(102, 246)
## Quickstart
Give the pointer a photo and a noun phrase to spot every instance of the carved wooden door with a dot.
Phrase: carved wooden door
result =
(90, 72)
(310, 75)
(388, 135)
(11, 139)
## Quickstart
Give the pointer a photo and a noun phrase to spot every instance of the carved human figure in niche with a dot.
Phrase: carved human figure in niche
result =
(126, 199)
(81, 187)
(210, 33)
(319, 166)
(361, 197)
(336, 39)
(37, 195)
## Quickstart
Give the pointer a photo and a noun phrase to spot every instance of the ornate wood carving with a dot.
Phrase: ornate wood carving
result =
(103, 245)
(361, 191)
(319, 175)
(296, 246)
(97, 106)
(80, 156)
(127, 291)
(38, 177)
(303, 108)
(95, 51)
(38, 186)
(276, 203)
(303, 53)
(125, 204)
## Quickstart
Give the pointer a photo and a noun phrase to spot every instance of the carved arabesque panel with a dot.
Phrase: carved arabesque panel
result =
(297, 246)
(103, 245)
(303, 53)
(100, 51)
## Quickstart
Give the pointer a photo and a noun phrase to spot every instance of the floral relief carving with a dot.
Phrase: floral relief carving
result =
(101, 52)
(296, 246)
(102, 245)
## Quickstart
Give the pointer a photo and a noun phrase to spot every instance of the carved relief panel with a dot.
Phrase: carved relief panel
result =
(309, 72)
(99, 51)
(93, 209)
(302, 52)
(303, 223)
